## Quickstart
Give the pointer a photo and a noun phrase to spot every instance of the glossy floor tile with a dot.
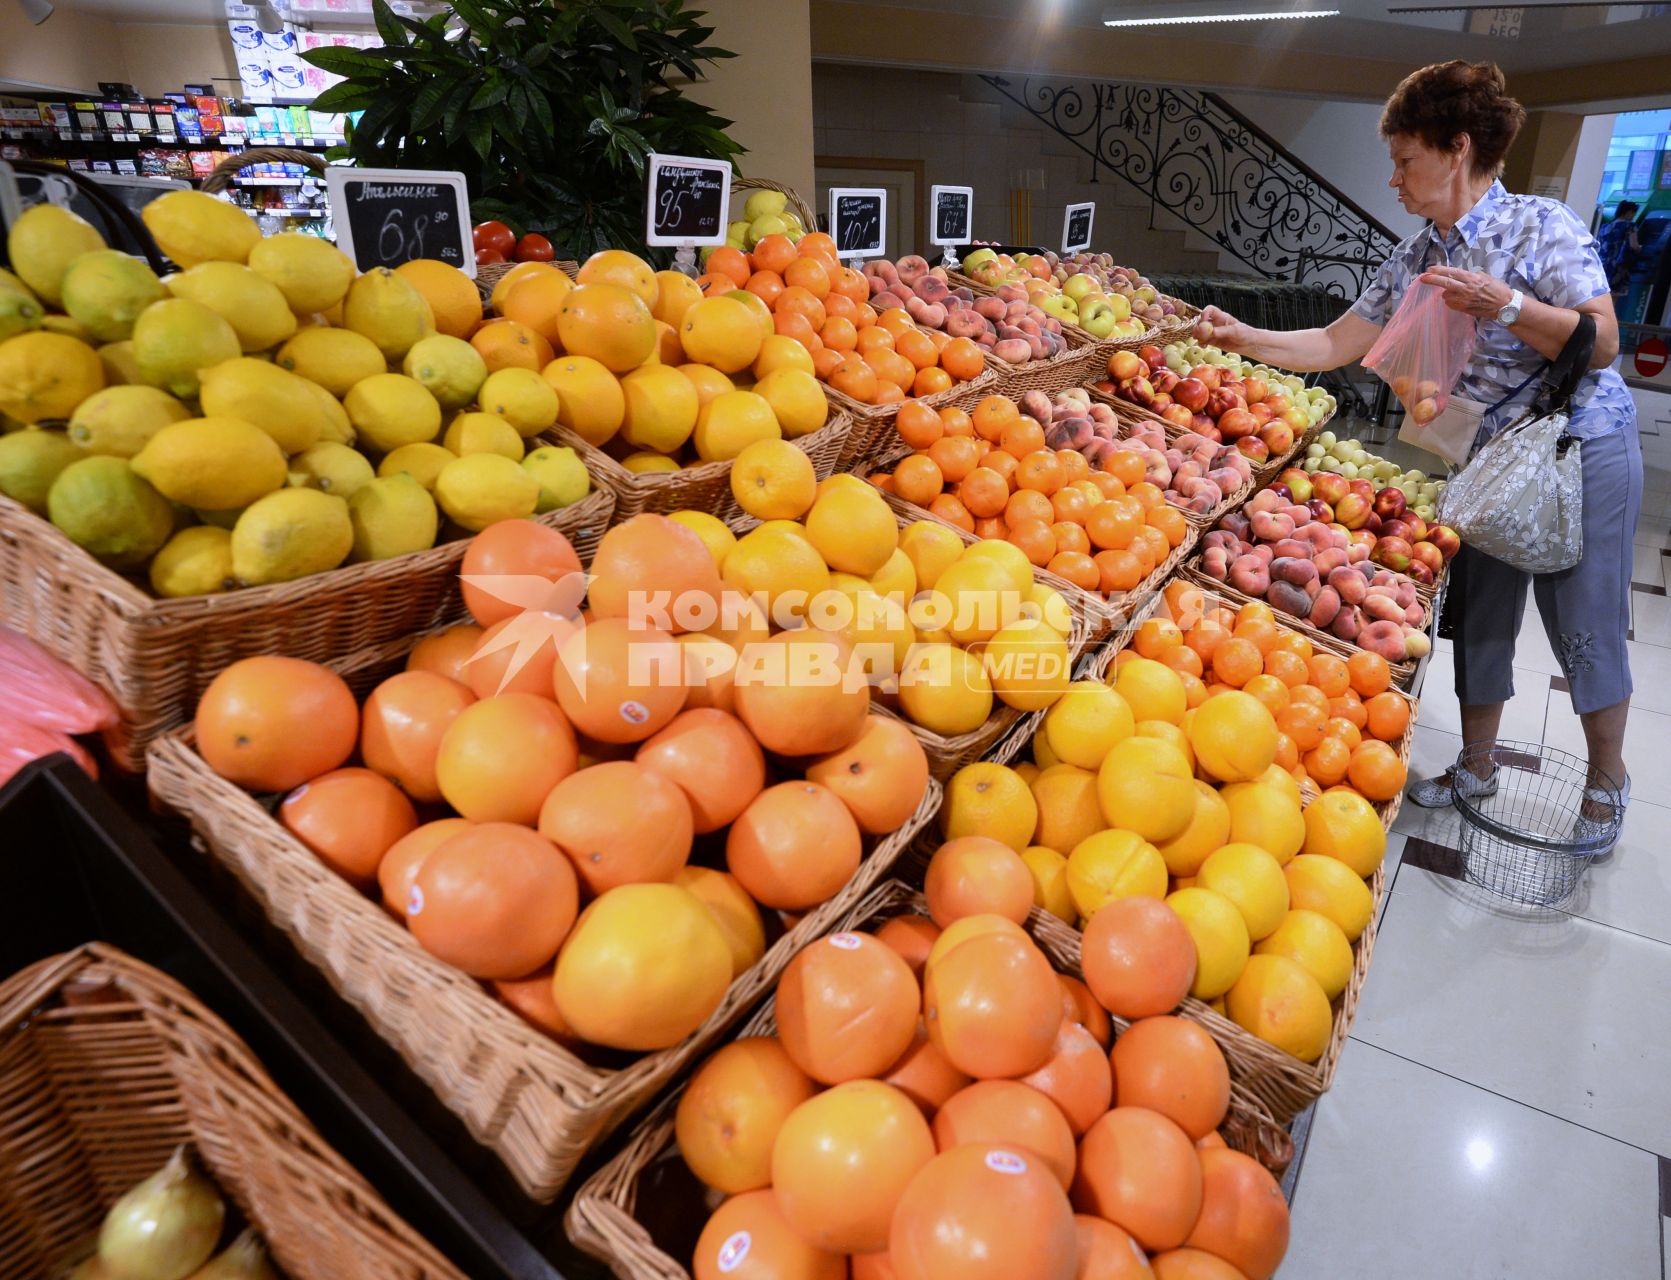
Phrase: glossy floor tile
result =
(1550, 1010)
(1632, 889)
(1647, 746)
(1522, 717)
(1647, 565)
(1462, 1185)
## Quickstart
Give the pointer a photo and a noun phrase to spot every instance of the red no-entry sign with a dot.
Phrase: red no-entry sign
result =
(1651, 355)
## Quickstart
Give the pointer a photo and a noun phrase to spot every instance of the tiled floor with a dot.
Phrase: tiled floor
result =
(1504, 1106)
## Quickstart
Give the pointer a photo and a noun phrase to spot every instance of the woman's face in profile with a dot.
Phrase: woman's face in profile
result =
(1422, 175)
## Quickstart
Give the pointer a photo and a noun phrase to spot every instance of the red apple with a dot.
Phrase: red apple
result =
(1361, 538)
(1363, 489)
(1428, 554)
(1261, 411)
(1391, 553)
(1233, 424)
(1164, 380)
(1255, 389)
(1126, 364)
(1222, 401)
(1419, 572)
(1152, 356)
(1279, 403)
(1192, 393)
(1253, 448)
(1322, 510)
(1397, 527)
(1389, 502)
(1177, 415)
(1445, 538)
(1418, 526)
(1298, 482)
(1352, 511)
(1329, 486)
(1278, 436)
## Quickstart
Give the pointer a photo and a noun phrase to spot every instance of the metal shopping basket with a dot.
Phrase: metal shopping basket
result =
(1520, 841)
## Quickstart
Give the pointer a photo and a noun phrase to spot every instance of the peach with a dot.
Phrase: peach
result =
(1348, 584)
(1293, 569)
(1013, 351)
(1324, 606)
(1383, 609)
(1264, 500)
(1385, 638)
(1347, 623)
(1287, 598)
(1250, 574)
(1272, 526)
(1215, 563)
(1416, 645)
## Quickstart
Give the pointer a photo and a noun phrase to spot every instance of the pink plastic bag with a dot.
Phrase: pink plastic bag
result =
(37, 689)
(21, 742)
(1422, 352)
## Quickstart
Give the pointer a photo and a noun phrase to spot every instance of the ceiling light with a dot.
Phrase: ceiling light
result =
(267, 17)
(1179, 20)
(37, 11)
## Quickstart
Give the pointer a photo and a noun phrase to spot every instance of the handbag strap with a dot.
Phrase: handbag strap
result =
(1561, 378)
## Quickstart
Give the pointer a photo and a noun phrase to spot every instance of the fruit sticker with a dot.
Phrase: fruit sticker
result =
(634, 712)
(845, 941)
(414, 902)
(734, 1252)
(1006, 1162)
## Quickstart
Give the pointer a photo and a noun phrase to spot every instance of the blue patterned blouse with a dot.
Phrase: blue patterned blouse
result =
(1539, 247)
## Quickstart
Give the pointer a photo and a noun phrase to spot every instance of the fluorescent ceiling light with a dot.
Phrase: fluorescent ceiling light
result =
(268, 18)
(1180, 20)
(37, 11)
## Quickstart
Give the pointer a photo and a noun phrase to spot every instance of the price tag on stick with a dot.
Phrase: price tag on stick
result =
(385, 217)
(858, 221)
(1076, 227)
(688, 198)
(952, 218)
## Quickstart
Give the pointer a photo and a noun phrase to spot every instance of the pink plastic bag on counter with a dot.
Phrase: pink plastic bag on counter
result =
(1423, 351)
(21, 742)
(39, 690)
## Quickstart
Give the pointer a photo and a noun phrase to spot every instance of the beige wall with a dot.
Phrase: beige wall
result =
(160, 57)
(767, 88)
(1546, 147)
(74, 51)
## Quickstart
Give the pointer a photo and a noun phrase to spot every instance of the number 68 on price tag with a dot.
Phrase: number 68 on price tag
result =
(384, 217)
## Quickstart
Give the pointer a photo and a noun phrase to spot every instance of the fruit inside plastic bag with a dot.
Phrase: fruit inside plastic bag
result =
(42, 702)
(1422, 352)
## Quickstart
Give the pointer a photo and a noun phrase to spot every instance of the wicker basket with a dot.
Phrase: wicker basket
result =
(803, 211)
(1070, 367)
(873, 424)
(220, 177)
(106, 1066)
(155, 657)
(533, 1102)
(704, 487)
(603, 1219)
(489, 274)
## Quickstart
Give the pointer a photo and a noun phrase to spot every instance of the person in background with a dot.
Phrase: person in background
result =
(1525, 268)
(1619, 245)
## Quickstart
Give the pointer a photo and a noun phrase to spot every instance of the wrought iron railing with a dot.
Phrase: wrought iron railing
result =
(1200, 159)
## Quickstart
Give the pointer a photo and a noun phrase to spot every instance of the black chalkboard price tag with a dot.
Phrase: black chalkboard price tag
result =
(859, 221)
(687, 202)
(1076, 227)
(953, 215)
(384, 217)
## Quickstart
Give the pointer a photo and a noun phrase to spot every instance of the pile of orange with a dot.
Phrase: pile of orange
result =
(556, 806)
(824, 306)
(1342, 722)
(988, 472)
(978, 1128)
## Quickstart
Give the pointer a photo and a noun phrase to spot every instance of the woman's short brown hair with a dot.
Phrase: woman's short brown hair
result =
(1440, 103)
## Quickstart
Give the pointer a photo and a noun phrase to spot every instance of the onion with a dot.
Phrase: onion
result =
(165, 1228)
(244, 1259)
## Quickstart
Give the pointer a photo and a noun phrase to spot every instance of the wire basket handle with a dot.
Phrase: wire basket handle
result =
(221, 178)
(113, 210)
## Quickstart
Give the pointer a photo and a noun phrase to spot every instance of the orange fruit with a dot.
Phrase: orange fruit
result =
(730, 1113)
(983, 492)
(748, 1238)
(496, 901)
(1079, 1005)
(399, 865)
(1077, 567)
(1113, 523)
(736, 914)
(984, 1211)
(1010, 1114)
(1077, 1078)
(512, 547)
(1387, 716)
(619, 823)
(1138, 1170)
(350, 818)
(881, 776)
(956, 456)
(1237, 660)
(618, 683)
(1328, 761)
(953, 512)
(843, 1159)
(1107, 1253)
(611, 324)
(847, 1008)
(1261, 631)
(1020, 437)
(1170, 523)
(1118, 570)
(962, 358)
(977, 875)
(924, 1075)
(446, 652)
(712, 759)
(1342, 728)
(1368, 673)
(912, 937)
(501, 757)
(1295, 643)
(729, 262)
(1172, 1066)
(794, 847)
(993, 1007)
(534, 300)
(809, 274)
(648, 559)
(531, 999)
(402, 724)
(508, 344)
(1329, 674)
(1375, 771)
(1138, 957)
(806, 717)
(992, 415)
(271, 723)
(765, 285)
(1192, 1264)
(918, 425)
(853, 377)
(1244, 1217)
(930, 382)
(1349, 707)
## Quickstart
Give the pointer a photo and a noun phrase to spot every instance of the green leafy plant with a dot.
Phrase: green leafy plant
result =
(550, 108)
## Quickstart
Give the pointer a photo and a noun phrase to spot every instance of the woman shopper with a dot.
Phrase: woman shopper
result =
(1525, 268)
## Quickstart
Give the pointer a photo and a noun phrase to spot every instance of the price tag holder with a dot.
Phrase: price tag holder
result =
(688, 199)
(1076, 226)
(385, 217)
(859, 221)
(951, 218)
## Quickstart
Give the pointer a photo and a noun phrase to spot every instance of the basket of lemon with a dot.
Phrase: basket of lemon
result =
(269, 453)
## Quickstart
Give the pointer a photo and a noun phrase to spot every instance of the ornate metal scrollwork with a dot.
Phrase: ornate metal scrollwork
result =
(1198, 158)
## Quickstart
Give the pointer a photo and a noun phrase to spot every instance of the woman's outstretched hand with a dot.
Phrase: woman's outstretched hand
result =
(1229, 333)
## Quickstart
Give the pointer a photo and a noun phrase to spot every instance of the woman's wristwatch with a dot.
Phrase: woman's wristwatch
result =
(1510, 312)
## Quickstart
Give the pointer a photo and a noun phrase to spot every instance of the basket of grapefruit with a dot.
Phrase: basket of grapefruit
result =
(980, 1128)
(550, 855)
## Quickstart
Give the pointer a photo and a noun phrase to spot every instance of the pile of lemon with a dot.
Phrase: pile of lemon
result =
(264, 414)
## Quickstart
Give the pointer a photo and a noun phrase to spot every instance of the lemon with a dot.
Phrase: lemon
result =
(106, 290)
(227, 519)
(334, 425)
(423, 462)
(944, 689)
(388, 309)
(1316, 944)
(192, 227)
(784, 568)
(562, 476)
(773, 480)
(1114, 864)
(1068, 810)
(482, 433)
(119, 420)
(331, 468)
(1086, 722)
(392, 516)
(450, 369)
(290, 534)
(711, 529)
(523, 398)
(931, 548)
(176, 338)
(121, 367)
(334, 358)
(20, 312)
(484, 488)
(104, 507)
(42, 244)
(590, 401)
(194, 562)
(212, 462)
(69, 326)
(796, 397)
(45, 376)
(729, 423)
(390, 409)
(250, 303)
(645, 463)
(278, 402)
(661, 408)
(311, 274)
(30, 461)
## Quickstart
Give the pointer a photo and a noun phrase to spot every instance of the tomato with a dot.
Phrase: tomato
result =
(534, 247)
(485, 257)
(496, 236)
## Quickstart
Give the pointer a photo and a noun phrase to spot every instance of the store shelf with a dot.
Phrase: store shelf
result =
(267, 182)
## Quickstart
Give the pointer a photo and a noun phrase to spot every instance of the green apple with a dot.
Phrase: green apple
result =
(1097, 316)
(1061, 306)
(979, 256)
(1077, 286)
